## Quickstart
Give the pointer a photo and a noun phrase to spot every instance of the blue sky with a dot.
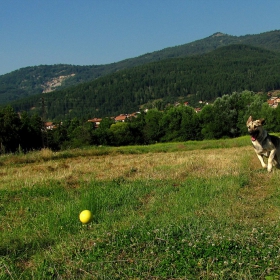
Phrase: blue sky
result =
(87, 32)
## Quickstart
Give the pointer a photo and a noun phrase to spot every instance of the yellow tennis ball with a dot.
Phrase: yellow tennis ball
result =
(85, 216)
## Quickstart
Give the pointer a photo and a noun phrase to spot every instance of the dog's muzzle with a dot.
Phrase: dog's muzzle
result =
(254, 135)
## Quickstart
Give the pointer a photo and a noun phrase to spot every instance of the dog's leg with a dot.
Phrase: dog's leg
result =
(262, 161)
(270, 160)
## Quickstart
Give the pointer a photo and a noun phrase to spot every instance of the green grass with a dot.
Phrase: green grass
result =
(207, 221)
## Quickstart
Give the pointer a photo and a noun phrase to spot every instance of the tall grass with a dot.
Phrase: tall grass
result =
(198, 210)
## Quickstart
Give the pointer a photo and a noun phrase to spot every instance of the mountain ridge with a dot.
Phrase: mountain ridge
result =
(33, 80)
(229, 69)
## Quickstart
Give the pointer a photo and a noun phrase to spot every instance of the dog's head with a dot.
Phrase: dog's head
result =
(255, 127)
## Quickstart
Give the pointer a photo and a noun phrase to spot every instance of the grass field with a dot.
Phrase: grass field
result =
(192, 210)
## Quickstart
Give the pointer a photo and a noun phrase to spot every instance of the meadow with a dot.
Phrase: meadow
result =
(192, 210)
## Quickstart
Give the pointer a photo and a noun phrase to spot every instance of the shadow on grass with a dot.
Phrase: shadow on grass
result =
(18, 248)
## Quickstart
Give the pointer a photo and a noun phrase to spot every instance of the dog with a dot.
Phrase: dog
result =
(265, 145)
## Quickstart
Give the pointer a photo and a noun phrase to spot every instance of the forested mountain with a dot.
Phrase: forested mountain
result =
(44, 78)
(201, 77)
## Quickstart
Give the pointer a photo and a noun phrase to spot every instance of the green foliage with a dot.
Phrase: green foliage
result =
(225, 118)
(9, 130)
(190, 125)
(58, 138)
(180, 123)
(121, 134)
(153, 128)
(30, 131)
(229, 113)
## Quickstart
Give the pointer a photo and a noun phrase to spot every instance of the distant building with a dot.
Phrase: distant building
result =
(96, 121)
(49, 125)
(273, 102)
(121, 118)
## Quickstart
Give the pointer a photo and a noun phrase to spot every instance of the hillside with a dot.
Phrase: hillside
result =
(34, 80)
(202, 77)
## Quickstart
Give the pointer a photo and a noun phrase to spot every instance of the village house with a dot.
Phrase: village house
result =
(49, 125)
(273, 102)
(96, 121)
(133, 115)
(121, 118)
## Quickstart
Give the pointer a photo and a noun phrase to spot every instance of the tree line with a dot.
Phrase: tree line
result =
(225, 118)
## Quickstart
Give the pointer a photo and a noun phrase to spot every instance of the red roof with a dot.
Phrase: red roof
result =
(120, 118)
(96, 120)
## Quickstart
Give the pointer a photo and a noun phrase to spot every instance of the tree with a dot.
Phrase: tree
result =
(220, 119)
(136, 127)
(208, 126)
(102, 135)
(276, 114)
(180, 123)
(152, 129)
(9, 130)
(190, 126)
(121, 134)
(172, 124)
(80, 136)
(58, 138)
(270, 116)
(30, 132)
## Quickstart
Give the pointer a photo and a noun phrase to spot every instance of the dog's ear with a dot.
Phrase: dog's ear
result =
(250, 119)
(262, 121)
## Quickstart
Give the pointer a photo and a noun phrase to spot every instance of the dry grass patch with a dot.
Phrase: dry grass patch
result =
(248, 203)
(175, 166)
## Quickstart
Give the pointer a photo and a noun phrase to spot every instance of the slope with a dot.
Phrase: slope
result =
(37, 79)
(202, 77)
